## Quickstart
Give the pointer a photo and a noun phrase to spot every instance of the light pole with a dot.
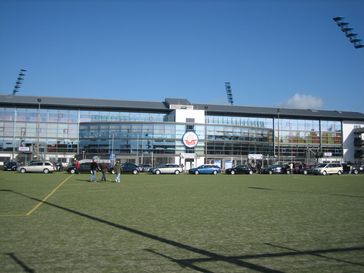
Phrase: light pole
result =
(19, 81)
(206, 107)
(39, 100)
(279, 145)
(344, 26)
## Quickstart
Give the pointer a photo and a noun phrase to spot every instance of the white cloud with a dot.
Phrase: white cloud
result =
(302, 101)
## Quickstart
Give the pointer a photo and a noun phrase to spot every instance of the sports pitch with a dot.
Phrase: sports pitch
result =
(186, 223)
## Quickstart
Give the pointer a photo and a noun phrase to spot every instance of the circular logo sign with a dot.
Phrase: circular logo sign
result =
(190, 139)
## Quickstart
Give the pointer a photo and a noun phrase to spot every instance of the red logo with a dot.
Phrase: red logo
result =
(190, 139)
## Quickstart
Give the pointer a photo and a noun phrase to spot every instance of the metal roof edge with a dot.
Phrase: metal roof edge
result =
(83, 103)
(149, 106)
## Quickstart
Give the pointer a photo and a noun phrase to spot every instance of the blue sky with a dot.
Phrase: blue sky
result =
(274, 53)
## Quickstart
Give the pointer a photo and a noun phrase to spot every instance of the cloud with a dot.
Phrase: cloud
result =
(302, 101)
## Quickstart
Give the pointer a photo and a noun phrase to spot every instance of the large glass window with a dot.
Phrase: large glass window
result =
(331, 132)
(293, 131)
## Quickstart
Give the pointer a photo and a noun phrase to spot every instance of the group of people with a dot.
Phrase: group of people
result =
(104, 169)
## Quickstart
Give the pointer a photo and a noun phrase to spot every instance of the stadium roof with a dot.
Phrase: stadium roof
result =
(163, 107)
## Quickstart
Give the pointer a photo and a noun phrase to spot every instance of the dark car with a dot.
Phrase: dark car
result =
(205, 169)
(84, 168)
(304, 169)
(128, 167)
(11, 165)
(355, 169)
(145, 167)
(276, 169)
(240, 169)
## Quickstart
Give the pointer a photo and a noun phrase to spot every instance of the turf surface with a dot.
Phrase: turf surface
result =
(185, 223)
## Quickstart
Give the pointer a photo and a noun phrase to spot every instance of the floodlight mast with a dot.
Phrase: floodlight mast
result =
(19, 81)
(348, 32)
(229, 93)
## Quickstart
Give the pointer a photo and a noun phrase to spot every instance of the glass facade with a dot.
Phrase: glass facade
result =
(141, 136)
(239, 136)
(306, 140)
(44, 129)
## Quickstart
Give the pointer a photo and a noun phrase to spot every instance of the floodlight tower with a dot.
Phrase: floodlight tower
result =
(19, 81)
(229, 93)
(344, 26)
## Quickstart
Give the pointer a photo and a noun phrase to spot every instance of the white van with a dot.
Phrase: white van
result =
(328, 168)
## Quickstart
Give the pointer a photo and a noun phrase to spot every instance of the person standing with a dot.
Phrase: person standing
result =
(93, 168)
(78, 166)
(117, 169)
(104, 170)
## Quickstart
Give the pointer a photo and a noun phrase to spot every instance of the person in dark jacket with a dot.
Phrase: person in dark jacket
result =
(104, 170)
(94, 167)
(117, 169)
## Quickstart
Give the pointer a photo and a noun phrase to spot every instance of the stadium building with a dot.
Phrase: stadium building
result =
(174, 131)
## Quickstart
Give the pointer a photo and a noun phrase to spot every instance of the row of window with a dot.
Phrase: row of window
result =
(59, 130)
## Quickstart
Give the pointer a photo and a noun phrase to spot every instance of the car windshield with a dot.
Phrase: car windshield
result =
(321, 165)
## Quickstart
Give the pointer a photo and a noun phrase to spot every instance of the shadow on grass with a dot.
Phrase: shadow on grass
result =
(290, 253)
(307, 192)
(210, 256)
(259, 188)
(20, 263)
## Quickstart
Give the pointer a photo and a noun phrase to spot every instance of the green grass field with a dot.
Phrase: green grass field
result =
(186, 223)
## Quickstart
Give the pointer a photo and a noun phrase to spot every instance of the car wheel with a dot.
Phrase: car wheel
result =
(232, 172)
(135, 171)
(23, 170)
(72, 171)
(157, 172)
(45, 171)
(196, 172)
(214, 173)
(176, 172)
(250, 172)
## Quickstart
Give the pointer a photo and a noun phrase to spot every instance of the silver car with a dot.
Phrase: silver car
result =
(167, 168)
(37, 167)
(328, 168)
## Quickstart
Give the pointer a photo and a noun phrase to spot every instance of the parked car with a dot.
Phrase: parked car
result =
(205, 169)
(276, 169)
(353, 169)
(328, 168)
(240, 169)
(128, 167)
(145, 167)
(10, 165)
(167, 168)
(37, 167)
(304, 169)
(360, 169)
(309, 169)
(84, 168)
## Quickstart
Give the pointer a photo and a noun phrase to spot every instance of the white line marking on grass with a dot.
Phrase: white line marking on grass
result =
(46, 198)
